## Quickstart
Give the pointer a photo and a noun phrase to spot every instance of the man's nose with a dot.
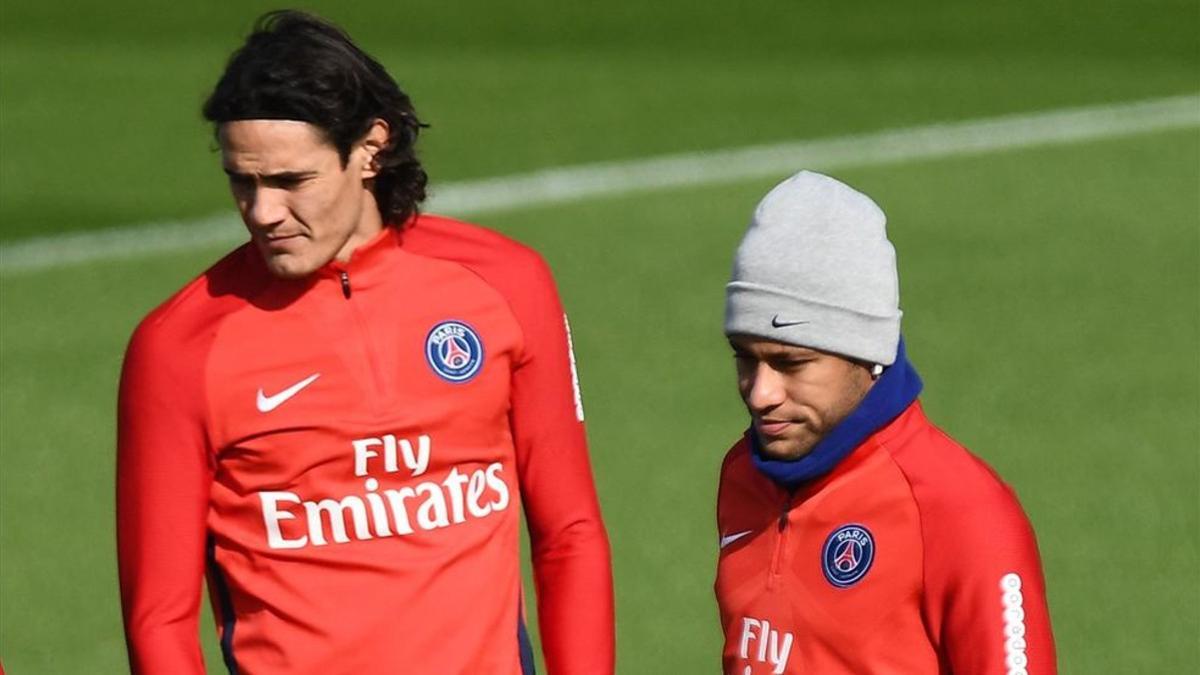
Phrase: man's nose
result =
(265, 208)
(765, 389)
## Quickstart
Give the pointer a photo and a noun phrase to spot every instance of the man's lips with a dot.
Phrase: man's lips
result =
(773, 427)
(279, 242)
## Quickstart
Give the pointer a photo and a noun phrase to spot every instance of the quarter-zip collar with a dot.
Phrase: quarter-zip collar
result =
(364, 269)
(371, 255)
(891, 395)
(369, 264)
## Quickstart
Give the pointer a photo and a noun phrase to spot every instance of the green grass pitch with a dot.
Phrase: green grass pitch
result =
(1051, 295)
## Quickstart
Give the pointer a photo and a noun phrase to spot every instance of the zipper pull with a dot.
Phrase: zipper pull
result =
(787, 506)
(345, 284)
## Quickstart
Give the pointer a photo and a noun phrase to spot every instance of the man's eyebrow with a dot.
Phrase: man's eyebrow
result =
(791, 354)
(775, 353)
(280, 175)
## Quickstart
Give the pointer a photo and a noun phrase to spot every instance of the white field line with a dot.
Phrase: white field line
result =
(575, 183)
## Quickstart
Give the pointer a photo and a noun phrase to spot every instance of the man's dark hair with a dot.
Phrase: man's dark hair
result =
(295, 66)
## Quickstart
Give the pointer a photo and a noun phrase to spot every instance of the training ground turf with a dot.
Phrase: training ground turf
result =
(1051, 294)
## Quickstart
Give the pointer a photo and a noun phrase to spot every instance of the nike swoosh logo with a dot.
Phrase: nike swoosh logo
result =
(269, 403)
(730, 538)
(776, 323)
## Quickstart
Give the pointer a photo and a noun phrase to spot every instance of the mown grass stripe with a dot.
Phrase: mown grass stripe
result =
(587, 181)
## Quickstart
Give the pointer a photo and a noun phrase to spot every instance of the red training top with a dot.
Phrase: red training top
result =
(910, 557)
(344, 457)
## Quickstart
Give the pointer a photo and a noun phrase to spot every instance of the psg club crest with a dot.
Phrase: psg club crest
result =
(454, 351)
(847, 555)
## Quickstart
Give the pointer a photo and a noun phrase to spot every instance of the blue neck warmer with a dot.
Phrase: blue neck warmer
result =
(892, 393)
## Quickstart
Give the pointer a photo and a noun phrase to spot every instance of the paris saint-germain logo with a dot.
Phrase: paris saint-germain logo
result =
(454, 351)
(847, 555)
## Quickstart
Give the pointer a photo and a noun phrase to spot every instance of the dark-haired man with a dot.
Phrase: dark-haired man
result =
(339, 423)
(855, 536)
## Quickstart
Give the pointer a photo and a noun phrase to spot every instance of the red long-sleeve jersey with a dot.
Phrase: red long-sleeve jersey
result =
(345, 457)
(911, 557)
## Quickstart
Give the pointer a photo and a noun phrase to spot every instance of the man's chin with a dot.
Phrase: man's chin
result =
(783, 449)
(287, 266)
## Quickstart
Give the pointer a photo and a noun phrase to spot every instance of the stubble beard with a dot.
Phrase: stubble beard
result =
(807, 438)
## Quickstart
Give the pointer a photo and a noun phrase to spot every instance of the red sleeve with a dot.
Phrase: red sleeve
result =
(985, 596)
(571, 561)
(163, 478)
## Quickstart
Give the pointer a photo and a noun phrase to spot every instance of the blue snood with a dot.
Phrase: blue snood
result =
(892, 393)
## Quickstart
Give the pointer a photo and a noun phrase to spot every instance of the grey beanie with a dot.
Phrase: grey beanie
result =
(816, 269)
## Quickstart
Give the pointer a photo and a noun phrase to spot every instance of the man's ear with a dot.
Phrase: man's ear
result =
(373, 142)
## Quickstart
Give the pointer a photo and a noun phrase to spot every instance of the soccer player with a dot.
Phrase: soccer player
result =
(855, 536)
(339, 423)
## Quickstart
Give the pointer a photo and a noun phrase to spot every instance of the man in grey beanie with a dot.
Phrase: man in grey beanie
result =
(855, 536)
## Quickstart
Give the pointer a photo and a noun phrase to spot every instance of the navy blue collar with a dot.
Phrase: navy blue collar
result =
(893, 392)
